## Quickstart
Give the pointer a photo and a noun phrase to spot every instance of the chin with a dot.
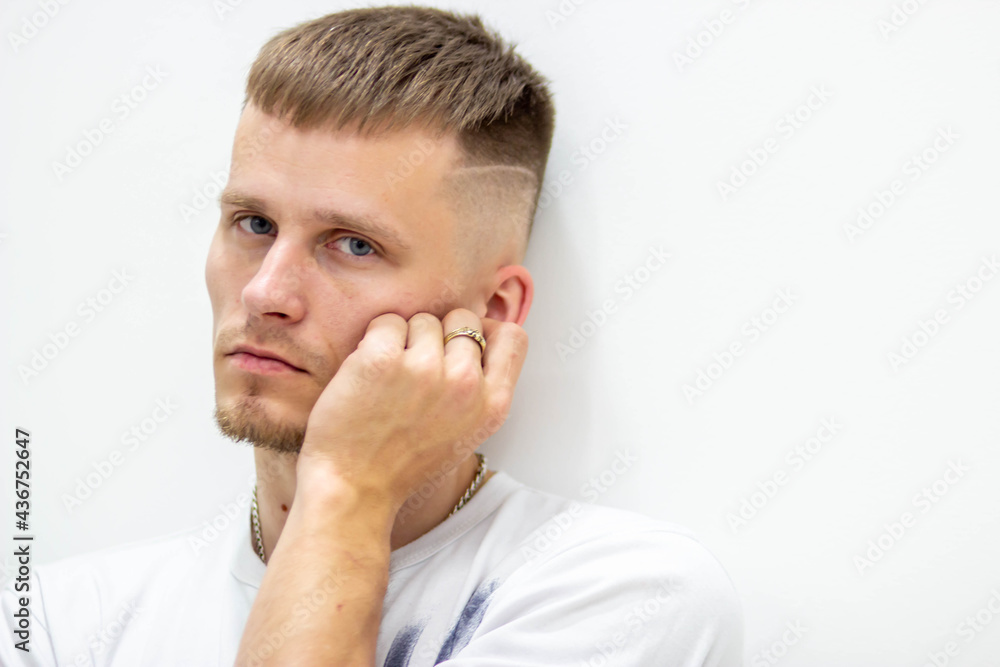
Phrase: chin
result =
(247, 418)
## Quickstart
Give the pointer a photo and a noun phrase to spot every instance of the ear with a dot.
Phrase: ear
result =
(510, 300)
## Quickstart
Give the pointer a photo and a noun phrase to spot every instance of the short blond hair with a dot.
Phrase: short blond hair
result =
(382, 68)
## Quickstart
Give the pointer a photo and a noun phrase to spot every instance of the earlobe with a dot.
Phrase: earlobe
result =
(511, 298)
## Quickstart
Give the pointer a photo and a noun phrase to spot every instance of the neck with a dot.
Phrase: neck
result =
(419, 514)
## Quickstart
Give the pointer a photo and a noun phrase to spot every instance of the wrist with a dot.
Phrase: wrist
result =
(324, 493)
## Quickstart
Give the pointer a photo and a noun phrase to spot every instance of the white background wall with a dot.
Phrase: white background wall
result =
(685, 126)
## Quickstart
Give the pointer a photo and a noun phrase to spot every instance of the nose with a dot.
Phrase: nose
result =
(278, 289)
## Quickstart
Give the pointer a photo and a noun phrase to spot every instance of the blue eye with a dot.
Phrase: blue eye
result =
(258, 225)
(354, 243)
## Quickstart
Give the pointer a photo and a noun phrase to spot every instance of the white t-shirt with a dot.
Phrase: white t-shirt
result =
(516, 577)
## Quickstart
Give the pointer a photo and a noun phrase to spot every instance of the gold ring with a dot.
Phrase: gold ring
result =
(471, 333)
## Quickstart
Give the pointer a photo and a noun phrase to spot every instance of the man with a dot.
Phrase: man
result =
(368, 294)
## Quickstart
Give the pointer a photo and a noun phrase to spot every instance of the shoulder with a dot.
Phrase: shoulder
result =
(625, 547)
(633, 586)
(135, 559)
(555, 528)
(124, 577)
(73, 597)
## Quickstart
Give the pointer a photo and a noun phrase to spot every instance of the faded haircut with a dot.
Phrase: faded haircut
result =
(384, 68)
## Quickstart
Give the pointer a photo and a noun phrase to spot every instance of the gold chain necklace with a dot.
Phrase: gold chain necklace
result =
(476, 482)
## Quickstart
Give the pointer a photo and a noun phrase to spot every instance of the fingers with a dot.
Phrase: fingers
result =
(461, 347)
(424, 336)
(487, 379)
(385, 333)
(506, 350)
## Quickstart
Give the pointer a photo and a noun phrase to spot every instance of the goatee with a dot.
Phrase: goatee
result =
(247, 421)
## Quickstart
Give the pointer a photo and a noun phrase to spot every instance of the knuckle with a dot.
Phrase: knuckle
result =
(386, 319)
(464, 377)
(498, 407)
(423, 363)
(422, 319)
(369, 368)
(392, 351)
(381, 355)
(516, 333)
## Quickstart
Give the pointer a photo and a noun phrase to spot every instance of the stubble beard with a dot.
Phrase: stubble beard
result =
(246, 420)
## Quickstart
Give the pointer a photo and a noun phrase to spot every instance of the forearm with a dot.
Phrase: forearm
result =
(320, 602)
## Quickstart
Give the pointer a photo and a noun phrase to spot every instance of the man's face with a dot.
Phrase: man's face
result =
(321, 232)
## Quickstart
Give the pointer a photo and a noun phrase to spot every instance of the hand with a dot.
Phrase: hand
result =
(404, 406)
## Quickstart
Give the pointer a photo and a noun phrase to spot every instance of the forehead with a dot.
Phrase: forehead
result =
(401, 176)
(258, 134)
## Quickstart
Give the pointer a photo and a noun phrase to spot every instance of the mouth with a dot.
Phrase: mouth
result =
(263, 362)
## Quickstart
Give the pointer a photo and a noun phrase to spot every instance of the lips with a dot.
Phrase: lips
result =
(248, 353)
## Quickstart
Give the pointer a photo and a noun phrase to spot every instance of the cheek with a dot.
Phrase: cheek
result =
(346, 318)
(215, 272)
(227, 268)
(212, 275)
(223, 281)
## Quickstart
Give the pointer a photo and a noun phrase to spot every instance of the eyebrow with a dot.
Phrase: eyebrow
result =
(361, 223)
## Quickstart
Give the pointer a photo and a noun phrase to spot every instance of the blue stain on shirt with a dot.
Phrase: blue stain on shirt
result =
(403, 645)
(468, 621)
